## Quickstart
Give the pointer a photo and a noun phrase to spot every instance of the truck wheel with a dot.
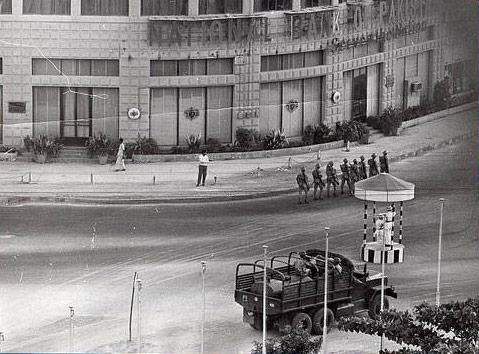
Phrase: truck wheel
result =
(375, 306)
(301, 322)
(318, 320)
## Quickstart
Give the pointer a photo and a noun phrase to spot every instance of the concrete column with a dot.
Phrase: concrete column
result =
(193, 7)
(335, 2)
(75, 8)
(296, 4)
(248, 7)
(134, 8)
(17, 8)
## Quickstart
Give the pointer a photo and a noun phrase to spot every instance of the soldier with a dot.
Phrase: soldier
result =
(373, 166)
(318, 182)
(354, 173)
(303, 185)
(331, 177)
(388, 225)
(384, 162)
(345, 177)
(362, 168)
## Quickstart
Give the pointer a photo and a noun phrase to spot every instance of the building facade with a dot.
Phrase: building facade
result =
(168, 68)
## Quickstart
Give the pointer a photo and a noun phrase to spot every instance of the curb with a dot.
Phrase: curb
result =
(137, 200)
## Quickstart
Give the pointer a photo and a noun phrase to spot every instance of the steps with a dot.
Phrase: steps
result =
(68, 154)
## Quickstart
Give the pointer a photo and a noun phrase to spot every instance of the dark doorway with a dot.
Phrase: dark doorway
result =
(76, 115)
(359, 95)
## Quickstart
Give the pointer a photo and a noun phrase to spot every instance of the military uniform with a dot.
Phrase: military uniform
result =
(354, 173)
(331, 177)
(362, 172)
(384, 162)
(345, 177)
(303, 185)
(318, 182)
(373, 166)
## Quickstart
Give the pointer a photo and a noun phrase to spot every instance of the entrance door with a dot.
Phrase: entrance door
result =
(76, 115)
(359, 95)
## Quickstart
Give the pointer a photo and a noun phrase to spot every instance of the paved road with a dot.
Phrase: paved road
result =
(55, 256)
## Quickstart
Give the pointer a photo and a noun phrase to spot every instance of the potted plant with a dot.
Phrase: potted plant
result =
(99, 146)
(8, 153)
(44, 146)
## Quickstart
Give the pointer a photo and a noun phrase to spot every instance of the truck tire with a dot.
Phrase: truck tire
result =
(301, 322)
(318, 320)
(375, 306)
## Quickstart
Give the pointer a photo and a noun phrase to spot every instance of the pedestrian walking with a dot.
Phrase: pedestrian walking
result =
(303, 185)
(345, 177)
(354, 174)
(202, 167)
(120, 157)
(373, 166)
(318, 182)
(384, 162)
(331, 177)
(362, 168)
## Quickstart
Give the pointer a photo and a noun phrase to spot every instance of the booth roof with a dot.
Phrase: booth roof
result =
(384, 188)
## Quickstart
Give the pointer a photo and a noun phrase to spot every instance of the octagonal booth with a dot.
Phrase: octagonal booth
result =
(383, 188)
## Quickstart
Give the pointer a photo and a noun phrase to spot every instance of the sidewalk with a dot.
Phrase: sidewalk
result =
(235, 179)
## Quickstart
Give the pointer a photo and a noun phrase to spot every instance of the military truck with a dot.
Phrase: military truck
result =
(295, 291)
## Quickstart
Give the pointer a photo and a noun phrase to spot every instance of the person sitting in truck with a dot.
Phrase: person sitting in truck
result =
(304, 266)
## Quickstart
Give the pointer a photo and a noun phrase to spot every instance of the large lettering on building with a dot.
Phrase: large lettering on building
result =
(207, 31)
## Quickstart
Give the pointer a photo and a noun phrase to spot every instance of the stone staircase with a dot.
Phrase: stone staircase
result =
(68, 154)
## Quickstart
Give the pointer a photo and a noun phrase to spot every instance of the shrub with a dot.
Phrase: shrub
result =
(214, 145)
(99, 145)
(145, 146)
(442, 94)
(193, 141)
(390, 120)
(316, 134)
(292, 342)
(27, 141)
(444, 329)
(8, 148)
(276, 139)
(246, 137)
(46, 145)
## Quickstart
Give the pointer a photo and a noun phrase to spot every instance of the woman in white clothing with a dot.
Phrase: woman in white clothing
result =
(120, 161)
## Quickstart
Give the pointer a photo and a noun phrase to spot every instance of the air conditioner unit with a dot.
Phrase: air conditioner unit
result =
(416, 86)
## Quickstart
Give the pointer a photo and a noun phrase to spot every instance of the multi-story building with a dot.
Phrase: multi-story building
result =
(74, 68)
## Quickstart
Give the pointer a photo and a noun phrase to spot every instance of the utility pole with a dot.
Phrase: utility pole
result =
(325, 324)
(203, 273)
(439, 251)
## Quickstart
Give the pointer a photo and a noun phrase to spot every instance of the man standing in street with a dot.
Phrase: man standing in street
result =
(362, 168)
(384, 162)
(331, 177)
(120, 157)
(318, 182)
(303, 185)
(373, 166)
(204, 160)
(345, 177)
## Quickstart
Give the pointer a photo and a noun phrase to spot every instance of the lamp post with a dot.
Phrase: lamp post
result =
(265, 253)
(203, 273)
(139, 286)
(72, 329)
(439, 251)
(325, 324)
(383, 270)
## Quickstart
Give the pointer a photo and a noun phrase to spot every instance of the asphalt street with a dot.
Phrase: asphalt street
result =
(54, 256)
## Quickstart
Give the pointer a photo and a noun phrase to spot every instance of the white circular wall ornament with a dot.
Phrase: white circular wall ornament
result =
(336, 96)
(134, 113)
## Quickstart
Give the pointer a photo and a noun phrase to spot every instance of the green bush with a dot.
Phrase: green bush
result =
(214, 145)
(245, 138)
(297, 343)
(442, 94)
(390, 120)
(316, 134)
(99, 145)
(276, 139)
(193, 141)
(46, 145)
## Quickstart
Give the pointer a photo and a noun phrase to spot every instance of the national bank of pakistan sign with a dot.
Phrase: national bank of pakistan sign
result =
(385, 18)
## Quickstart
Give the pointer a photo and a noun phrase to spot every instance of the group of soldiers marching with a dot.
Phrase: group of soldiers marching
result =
(351, 173)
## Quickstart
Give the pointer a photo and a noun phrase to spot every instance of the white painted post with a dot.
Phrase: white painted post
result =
(439, 251)
(72, 329)
(265, 253)
(203, 273)
(138, 297)
(325, 324)
(383, 270)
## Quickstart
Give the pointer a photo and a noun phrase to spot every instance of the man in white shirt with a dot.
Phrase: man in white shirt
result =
(204, 160)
